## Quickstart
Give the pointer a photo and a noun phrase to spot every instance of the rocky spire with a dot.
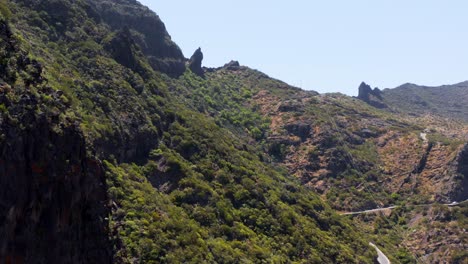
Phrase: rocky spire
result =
(371, 96)
(364, 91)
(195, 62)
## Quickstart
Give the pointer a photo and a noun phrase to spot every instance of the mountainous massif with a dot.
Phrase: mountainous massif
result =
(446, 101)
(115, 148)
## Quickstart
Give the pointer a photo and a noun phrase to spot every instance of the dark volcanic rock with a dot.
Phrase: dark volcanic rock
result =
(53, 197)
(163, 54)
(122, 48)
(148, 31)
(232, 65)
(371, 96)
(365, 91)
(195, 62)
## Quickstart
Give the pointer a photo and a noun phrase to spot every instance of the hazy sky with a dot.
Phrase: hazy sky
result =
(327, 46)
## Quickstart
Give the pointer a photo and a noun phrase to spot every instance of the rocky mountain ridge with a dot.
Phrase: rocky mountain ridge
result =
(448, 101)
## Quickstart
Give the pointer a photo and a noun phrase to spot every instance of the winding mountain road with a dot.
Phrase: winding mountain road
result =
(395, 206)
(382, 259)
(370, 211)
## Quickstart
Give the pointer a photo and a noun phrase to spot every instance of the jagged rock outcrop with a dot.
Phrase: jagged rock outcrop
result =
(371, 96)
(124, 50)
(147, 29)
(152, 37)
(232, 65)
(195, 62)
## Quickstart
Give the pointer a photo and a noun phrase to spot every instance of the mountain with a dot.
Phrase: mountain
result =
(102, 162)
(357, 157)
(449, 101)
(115, 148)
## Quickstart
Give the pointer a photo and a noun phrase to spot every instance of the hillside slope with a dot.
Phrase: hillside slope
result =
(357, 157)
(124, 143)
(109, 156)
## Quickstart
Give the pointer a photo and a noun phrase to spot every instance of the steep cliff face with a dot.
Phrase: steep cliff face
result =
(148, 31)
(53, 201)
(53, 196)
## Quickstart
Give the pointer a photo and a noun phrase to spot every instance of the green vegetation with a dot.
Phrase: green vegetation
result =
(453, 143)
(199, 169)
(5, 11)
(223, 97)
(185, 180)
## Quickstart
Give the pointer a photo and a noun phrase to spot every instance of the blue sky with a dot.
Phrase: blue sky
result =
(327, 46)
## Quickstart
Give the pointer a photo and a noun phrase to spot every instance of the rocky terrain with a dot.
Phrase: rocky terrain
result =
(115, 148)
(333, 143)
